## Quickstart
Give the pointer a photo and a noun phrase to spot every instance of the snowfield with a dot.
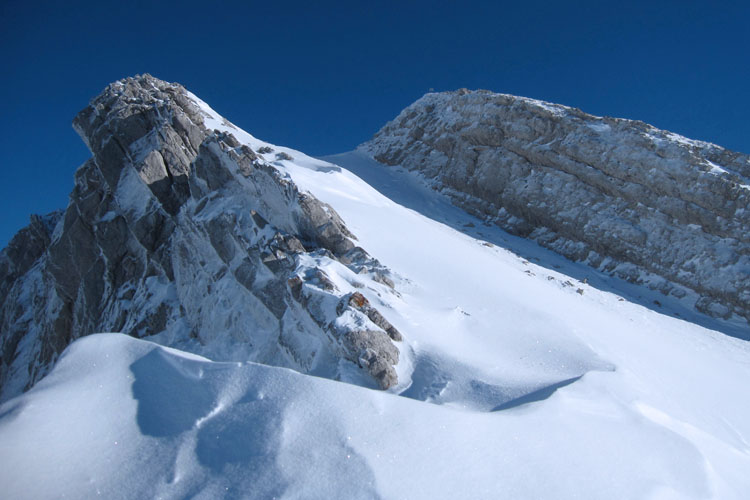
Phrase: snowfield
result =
(518, 379)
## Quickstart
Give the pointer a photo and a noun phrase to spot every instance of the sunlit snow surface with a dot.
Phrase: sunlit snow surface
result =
(516, 381)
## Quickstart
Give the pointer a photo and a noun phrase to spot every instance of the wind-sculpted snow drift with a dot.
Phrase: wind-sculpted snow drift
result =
(142, 421)
(643, 204)
(177, 231)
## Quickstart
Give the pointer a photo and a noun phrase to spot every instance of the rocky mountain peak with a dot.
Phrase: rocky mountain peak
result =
(136, 119)
(178, 231)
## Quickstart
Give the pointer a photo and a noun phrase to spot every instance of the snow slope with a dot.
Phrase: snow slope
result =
(123, 418)
(515, 381)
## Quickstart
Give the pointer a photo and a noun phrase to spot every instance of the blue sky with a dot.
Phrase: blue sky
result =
(322, 77)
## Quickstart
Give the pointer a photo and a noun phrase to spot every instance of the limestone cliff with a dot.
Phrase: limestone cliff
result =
(641, 203)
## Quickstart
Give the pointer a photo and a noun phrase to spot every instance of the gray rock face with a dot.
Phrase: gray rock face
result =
(185, 235)
(638, 202)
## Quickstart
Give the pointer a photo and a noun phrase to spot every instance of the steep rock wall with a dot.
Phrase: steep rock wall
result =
(641, 203)
(180, 233)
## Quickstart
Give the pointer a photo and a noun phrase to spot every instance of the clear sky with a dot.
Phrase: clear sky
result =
(322, 77)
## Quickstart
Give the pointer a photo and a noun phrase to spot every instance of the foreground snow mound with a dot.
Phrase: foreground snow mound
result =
(125, 418)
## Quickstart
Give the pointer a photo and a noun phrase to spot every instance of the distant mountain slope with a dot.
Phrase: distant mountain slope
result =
(643, 204)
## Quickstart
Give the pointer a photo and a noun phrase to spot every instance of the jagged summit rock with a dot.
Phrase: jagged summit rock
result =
(178, 231)
(641, 203)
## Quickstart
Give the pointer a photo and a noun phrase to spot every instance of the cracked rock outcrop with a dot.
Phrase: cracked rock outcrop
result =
(641, 203)
(177, 231)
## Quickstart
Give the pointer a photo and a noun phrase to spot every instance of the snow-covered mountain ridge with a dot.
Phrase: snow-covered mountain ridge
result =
(514, 379)
(640, 203)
